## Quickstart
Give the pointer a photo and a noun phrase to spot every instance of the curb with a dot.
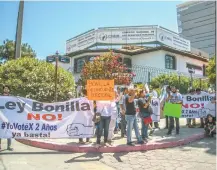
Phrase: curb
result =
(111, 149)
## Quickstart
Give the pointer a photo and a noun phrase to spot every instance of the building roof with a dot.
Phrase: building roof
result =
(189, 3)
(137, 51)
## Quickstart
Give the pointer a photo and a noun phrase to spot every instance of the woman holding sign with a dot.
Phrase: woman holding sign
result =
(175, 98)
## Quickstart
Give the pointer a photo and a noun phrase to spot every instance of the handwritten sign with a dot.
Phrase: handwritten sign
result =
(100, 90)
(173, 110)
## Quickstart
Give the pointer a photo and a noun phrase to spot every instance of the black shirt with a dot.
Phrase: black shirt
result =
(209, 124)
(130, 107)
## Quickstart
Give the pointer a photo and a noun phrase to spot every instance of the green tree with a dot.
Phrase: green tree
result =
(32, 78)
(107, 66)
(173, 80)
(211, 70)
(7, 51)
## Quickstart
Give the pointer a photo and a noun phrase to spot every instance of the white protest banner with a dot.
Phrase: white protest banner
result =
(155, 105)
(198, 106)
(26, 118)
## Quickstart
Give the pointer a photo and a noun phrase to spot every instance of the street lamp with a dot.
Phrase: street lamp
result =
(56, 76)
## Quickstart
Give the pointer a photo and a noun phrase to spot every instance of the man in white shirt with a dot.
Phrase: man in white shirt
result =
(175, 98)
(104, 108)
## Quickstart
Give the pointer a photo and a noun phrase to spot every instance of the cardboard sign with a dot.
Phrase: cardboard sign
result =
(100, 90)
(173, 110)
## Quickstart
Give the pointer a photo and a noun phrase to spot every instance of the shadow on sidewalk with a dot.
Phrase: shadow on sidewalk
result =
(209, 144)
(87, 158)
(118, 156)
(32, 153)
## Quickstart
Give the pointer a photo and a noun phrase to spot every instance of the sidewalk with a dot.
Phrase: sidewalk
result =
(159, 140)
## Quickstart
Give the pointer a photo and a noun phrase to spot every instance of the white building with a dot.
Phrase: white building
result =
(147, 63)
(164, 51)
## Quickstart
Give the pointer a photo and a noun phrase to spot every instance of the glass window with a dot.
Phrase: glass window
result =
(195, 67)
(170, 62)
(179, 22)
(127, 62)
(79, 63)
(180, 29)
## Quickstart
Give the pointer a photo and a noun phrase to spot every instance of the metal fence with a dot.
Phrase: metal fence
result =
(145, 74)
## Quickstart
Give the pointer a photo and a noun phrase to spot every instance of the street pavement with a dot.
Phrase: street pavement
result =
(158, 136)
(200, 155)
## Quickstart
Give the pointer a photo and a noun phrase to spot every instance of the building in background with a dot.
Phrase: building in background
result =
(197, 23)
(147, 50)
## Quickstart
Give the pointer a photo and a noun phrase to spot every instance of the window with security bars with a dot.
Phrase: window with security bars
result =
(79, 62)
(170, 62)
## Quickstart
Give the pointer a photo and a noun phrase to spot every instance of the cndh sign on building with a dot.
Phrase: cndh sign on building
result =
(127, 35)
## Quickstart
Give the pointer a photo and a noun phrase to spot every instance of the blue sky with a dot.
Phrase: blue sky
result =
(47, 25)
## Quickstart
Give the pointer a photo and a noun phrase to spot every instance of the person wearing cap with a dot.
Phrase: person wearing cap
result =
(175, 98)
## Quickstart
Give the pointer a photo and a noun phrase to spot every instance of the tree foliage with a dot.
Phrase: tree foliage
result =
(211, 70)
(32, 78)
(7, 50)
(182, 83)
(107, 66)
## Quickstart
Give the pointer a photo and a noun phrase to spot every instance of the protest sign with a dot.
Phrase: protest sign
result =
(100, 90)
(198, 106)
(155, 105)
(26, 118)
(173, 110)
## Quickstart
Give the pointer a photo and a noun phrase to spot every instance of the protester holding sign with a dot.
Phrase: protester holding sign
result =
(6, 92)
(131, 118)
(104, 108)
(175, 98)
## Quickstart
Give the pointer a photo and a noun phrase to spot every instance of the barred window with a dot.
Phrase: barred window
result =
(170, 62)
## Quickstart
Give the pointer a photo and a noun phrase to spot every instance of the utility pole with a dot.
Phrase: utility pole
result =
(18, 40)
(56, 76)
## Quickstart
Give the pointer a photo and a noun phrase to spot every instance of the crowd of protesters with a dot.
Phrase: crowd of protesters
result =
(124, 108)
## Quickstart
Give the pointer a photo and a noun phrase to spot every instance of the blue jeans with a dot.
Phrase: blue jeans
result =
(103, 125)
(144, 130)
(132, 123)
(118, 112)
